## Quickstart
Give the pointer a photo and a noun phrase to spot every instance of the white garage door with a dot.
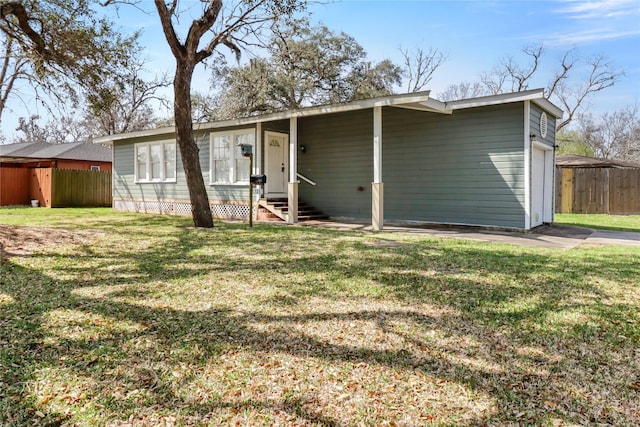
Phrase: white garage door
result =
(538, 196)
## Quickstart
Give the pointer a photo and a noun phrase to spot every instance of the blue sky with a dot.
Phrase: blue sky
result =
(475, 35)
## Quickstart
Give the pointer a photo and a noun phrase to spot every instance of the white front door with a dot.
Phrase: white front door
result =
(538, 196)
(275, 163)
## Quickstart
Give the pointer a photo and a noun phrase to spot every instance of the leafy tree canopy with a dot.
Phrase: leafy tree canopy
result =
(64, 46)
(305, 66)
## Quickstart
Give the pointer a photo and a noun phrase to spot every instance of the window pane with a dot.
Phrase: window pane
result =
(242, 163)
(141, 159)
(170, 161)
(221, 170)
(156, 161)
(242, 169)
(221, 152)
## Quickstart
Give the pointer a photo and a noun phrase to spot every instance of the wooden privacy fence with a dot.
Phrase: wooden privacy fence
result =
(598, 191)
(77, 188)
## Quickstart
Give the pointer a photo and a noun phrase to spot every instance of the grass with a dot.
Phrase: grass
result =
(143, 320)
(605, 222)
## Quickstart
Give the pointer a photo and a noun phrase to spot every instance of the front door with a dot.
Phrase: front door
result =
(275, 164)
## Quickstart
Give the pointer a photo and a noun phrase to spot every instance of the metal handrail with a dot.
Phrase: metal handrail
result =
(304, 178)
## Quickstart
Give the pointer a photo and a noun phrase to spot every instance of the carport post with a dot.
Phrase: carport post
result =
(377, 186)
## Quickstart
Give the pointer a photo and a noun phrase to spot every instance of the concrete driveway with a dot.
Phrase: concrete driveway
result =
(546, 236)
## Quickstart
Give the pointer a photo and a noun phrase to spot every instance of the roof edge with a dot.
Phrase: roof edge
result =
(535, 95)
(418, 100)
(383, 101)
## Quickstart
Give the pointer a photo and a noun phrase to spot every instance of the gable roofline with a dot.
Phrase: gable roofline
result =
(534, 95)
(415, 101)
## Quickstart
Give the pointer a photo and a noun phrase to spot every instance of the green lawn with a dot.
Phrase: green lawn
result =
(606, 222)
(120, 319)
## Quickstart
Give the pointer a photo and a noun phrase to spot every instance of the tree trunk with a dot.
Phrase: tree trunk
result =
(189, 150)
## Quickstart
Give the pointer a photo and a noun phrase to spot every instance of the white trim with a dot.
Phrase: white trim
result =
(148, 167)
(377, 144)
(267, 134)
(233, 173)
(527, 165)
(548, 205)
(548, 106)
(293, 149)
(257, 152)
(420, 101)
(542, 146)
(502, 98)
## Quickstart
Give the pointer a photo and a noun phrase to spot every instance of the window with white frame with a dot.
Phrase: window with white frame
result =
(228, 166)
(155, 161)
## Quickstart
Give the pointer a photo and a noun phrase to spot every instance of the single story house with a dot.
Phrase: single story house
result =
(486, 161)
(25, 169)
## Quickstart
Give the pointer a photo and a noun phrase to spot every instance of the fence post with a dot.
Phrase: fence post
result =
(567, 190)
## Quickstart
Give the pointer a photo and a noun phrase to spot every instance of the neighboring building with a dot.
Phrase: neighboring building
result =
(25, 168)
(575, 161)
(403, 158)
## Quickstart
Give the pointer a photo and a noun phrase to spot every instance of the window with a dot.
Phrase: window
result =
(95, 167)
(156, 162)
(228, 166)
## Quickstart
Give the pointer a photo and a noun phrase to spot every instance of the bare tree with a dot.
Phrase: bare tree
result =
(576, 79)
(462, 90)
(572, 96)
(60, 130)
(124, 105)
(613, 135)
(420, 65)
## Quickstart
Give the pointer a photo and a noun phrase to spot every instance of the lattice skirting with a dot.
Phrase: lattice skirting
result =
(218, 209)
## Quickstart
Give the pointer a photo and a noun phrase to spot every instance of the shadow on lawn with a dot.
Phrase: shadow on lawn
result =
(141, 346)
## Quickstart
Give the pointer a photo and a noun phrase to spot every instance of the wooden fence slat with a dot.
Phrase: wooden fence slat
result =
(598, 190)
(14, 186)
(567, 191)
(80, 188)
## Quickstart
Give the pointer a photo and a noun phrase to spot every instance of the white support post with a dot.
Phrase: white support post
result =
(377, 187)
(292, 193)
(257, 164)
(527, 165)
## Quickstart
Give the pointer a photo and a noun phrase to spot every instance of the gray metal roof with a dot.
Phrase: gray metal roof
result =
(575, 161)
(44, 151)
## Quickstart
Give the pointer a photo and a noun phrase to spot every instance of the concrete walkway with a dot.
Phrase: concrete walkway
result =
(547, 236)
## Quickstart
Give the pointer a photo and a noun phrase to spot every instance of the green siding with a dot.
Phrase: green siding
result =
(125, 186)
(536, 112)
(338, 157)
(464, 168)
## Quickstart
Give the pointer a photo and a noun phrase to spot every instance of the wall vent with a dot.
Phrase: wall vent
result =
(543, 125)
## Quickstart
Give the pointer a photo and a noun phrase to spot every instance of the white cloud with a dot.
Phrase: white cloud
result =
(601, 8)
(587, 36)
